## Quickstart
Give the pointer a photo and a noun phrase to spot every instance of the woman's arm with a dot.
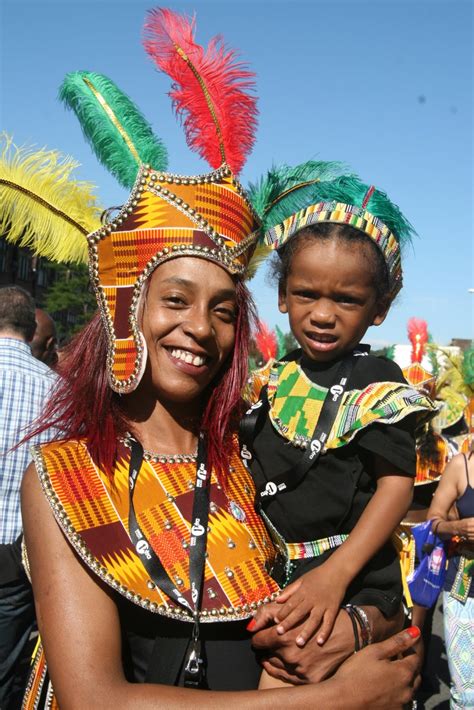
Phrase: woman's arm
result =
(80, 630)
(451, 487)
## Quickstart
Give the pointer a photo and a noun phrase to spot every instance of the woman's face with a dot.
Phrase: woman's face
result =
(188, 322)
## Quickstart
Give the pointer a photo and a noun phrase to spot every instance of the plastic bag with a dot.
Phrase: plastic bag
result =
(427, 580)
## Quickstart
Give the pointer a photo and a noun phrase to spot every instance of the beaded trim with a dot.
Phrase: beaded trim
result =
(164, 609)
(342, 213)
(230, 257)
(160, 458)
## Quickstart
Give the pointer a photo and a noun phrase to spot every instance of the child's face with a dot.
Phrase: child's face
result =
(330, 298)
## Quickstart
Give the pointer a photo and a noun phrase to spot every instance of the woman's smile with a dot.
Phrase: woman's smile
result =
(188, 322)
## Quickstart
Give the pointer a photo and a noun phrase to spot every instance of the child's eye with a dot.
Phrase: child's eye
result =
(309, 295)
(345, 298)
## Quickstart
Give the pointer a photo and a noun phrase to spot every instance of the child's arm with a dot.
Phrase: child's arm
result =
(319, 593)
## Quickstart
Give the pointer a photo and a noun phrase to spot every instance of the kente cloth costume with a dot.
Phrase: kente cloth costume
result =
(91, 507)
(376, 414)
(435, 373)
(167, 216)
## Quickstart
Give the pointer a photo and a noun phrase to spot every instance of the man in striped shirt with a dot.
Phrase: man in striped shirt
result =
(25, 383)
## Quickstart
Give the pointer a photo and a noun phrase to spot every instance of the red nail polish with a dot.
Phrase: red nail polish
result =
(414, 632)
(250, 626)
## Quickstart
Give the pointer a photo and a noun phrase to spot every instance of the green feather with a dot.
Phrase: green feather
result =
(468, 367)
(280, 342)
(119, 135)
(352, 191)
(390, 354)
(266, 194)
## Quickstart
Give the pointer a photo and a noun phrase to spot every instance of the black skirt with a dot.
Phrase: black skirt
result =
(154, 648)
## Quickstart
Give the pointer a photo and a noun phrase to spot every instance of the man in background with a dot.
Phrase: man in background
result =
(44, 345)
(25, 383)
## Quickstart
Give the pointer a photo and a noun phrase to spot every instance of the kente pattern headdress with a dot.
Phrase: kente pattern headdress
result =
(167, 215)
(289, 199)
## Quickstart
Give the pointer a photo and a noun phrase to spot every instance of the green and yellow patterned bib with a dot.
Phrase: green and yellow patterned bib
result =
(296, 403)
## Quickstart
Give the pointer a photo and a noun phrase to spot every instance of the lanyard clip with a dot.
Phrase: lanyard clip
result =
(194, 666)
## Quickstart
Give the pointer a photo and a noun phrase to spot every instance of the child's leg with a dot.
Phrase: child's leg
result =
(266, 682)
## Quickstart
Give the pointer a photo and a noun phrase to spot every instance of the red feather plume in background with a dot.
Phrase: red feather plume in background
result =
(266, 341)
(210, 90)
(418, 336)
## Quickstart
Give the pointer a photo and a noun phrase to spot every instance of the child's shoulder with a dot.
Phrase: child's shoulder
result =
(373, 368)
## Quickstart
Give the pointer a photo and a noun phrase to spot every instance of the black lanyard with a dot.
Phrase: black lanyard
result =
(253, 420)
(194, 667)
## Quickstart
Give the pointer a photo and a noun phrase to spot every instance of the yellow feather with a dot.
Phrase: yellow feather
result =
(43, 207)
(260, 254)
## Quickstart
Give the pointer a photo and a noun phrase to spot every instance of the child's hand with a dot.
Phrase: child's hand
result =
(317, 597)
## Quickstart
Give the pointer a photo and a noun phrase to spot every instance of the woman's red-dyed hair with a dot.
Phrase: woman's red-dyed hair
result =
(83, 405)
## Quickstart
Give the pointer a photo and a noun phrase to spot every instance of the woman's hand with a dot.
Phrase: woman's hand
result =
(372, 678)
(465, 528)
(314, 599)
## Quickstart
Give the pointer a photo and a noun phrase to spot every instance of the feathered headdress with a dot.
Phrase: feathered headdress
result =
(168, 215)
(117, 131)
(43, 206)
(211, 90)
(342, 200)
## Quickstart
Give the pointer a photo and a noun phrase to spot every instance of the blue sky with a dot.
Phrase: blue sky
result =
(384, 85)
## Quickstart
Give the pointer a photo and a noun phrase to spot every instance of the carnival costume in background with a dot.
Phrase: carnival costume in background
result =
(166, 216)
(310, 521)
(434, 372)
(458, 607)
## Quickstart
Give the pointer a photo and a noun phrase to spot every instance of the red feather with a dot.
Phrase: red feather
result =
(418, 336)
(210, 91)
(266, 341)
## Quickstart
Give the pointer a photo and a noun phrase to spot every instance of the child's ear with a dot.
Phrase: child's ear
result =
(381, 312)
(282, 305)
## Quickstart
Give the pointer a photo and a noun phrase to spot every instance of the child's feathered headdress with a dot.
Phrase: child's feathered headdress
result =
(341, 199)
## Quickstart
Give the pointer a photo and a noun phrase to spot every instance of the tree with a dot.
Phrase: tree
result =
(70, 300)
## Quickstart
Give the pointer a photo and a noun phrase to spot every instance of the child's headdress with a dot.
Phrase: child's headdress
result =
(287, 204)
(167, 215)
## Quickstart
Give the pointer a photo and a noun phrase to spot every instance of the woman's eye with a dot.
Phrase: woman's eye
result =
(174, 300)
(227, 313)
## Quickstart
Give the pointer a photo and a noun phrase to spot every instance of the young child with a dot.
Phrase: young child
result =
(330, 436)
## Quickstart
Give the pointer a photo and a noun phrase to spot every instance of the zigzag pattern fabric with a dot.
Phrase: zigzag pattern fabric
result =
(342, 213)
(92, 509)
(166, 216)
(296, 403)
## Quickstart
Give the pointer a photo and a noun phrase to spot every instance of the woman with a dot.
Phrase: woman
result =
(457, 488)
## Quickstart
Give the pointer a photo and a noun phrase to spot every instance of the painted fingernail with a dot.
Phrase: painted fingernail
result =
(251, 625)
(414, 632)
